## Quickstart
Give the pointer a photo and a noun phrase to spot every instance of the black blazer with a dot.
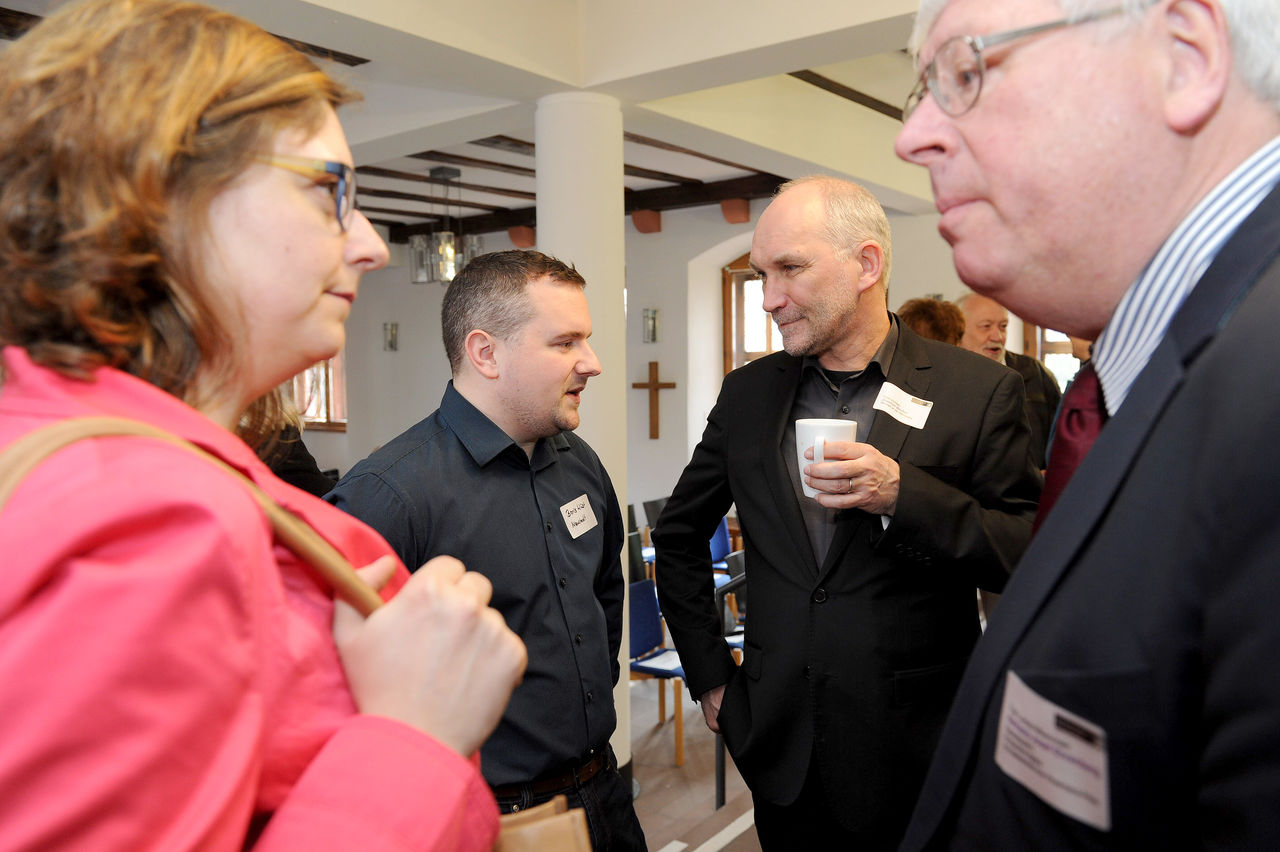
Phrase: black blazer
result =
(863, 653)
(1147, 602)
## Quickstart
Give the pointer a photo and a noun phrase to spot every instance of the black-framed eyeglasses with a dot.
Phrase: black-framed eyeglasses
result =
(343, 187)
(954, 75)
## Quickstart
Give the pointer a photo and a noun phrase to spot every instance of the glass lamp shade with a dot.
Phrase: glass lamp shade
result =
(419, 261)
(444, 256)
(472, 246)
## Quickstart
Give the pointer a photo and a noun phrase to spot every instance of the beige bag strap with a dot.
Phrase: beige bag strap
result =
(25, 454)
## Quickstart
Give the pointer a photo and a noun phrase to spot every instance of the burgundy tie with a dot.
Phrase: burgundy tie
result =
(1080, 419)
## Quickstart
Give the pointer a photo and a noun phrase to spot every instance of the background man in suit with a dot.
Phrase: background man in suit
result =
(986, 325)
(1114, 176)
(862, 604)
(497, 478)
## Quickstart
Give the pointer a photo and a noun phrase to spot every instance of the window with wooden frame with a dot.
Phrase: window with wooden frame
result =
(749, 330)
(320, 393)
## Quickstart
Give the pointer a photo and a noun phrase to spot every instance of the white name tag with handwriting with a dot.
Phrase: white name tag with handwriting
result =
(902, 406)
(578, 516)
(1057, 755)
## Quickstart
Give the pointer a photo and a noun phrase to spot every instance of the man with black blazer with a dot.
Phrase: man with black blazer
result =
(1126, 696)
(862, 612)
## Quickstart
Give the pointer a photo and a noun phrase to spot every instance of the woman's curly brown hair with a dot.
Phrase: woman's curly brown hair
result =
(120, 120)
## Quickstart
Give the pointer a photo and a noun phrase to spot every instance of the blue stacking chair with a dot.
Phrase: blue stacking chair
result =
(720, 546)
(651, 659)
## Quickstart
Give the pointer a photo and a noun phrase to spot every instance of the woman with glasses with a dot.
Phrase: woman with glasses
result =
(178, 236)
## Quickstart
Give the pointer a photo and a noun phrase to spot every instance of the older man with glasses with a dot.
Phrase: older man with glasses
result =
(1112, 171)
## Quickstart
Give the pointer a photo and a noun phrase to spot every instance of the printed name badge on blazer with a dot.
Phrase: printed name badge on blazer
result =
(1057, 755)
(902, 406)
(579, 517)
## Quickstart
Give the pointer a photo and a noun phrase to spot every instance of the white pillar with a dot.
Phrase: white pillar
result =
(581, 220)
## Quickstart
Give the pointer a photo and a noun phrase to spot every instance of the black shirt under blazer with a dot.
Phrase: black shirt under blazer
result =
(862, 654)
(1147, 602)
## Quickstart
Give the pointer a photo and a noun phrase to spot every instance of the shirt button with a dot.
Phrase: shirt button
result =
(548, 526)
(589, 697)
(564, 583)
(844, 409)
(578, 638)
(820, 596)
(807, 671)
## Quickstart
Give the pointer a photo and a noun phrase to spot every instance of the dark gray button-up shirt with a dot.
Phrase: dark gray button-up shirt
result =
(547, 533)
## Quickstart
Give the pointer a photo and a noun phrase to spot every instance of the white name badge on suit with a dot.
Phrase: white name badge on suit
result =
(1057, 755)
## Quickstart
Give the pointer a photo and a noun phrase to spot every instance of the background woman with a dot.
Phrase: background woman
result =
(177, 237)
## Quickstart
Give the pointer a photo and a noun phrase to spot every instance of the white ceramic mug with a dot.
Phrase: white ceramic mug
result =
(815, 433)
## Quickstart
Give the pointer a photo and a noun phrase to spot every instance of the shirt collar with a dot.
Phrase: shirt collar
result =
(882, 358)
(484, 440)
(1149, 305)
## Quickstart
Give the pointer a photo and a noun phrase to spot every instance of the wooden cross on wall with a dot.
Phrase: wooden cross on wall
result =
(653, 386)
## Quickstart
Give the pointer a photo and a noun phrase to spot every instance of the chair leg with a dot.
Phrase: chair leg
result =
(662, 701)
(677, 697)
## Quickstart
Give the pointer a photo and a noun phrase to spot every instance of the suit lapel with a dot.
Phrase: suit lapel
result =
(909, 370)
(1082, 504)
(780, 400)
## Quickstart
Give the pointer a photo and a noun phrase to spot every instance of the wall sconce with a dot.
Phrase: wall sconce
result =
(650, 333)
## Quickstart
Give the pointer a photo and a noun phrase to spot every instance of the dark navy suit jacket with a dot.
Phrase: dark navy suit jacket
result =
(1148, 602)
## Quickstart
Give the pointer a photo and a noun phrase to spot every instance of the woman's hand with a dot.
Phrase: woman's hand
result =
(436, 656)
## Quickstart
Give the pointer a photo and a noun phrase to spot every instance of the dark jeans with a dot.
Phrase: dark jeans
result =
(606, 798)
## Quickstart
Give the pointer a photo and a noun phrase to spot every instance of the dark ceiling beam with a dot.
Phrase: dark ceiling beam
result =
(427, 199)
(664, 177)
(14, 23)
(377, 171)
(667, 146)
(677, 197)
(862, 98)
(473, 162)
(518, 146)
(662, 198)
(510, 144)
(498, 220)
(319, 52)
(412, 214)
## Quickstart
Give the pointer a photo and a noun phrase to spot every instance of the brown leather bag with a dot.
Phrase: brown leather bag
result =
(548, 826)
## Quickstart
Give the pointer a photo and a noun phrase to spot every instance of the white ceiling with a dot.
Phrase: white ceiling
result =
(706, 75)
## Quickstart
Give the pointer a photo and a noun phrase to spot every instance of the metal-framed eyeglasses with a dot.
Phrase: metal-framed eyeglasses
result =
(342, 188)
(954, 75)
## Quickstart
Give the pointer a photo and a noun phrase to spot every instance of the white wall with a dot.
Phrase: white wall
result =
(924, 268)
(676, 271)
(689, 336)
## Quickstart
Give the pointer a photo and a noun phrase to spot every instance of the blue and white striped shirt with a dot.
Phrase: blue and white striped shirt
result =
(1143, 315)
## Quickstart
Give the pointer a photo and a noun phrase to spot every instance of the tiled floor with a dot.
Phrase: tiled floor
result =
(676, 805)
